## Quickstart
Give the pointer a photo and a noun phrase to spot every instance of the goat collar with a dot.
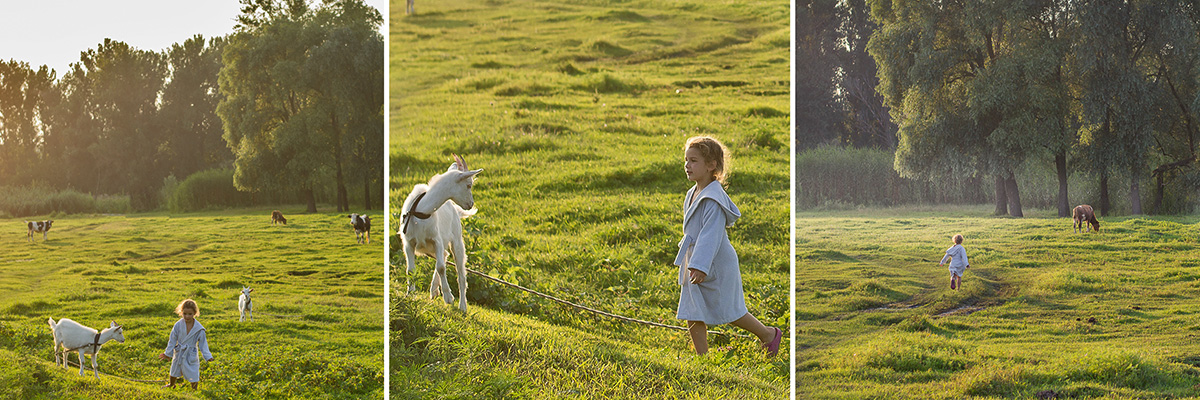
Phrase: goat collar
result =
(96, 342)
(412, 212)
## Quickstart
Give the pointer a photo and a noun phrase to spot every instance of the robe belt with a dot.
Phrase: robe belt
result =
(684, 245)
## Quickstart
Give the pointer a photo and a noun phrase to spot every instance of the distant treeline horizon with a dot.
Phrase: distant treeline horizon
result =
(1010, 92)
(291, 102)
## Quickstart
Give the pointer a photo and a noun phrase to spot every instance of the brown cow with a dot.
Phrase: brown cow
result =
(277, 216)
(1083, 213)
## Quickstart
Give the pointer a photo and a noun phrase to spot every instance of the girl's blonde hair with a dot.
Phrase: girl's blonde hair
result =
(186, 304)
(712, 150)
(958, 239)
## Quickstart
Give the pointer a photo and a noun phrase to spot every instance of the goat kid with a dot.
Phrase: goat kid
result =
(78, 338)
(245, 307)
(430, 226)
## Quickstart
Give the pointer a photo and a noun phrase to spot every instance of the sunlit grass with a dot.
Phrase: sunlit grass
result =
(577, 111)
(318, 298)
(1105, 315)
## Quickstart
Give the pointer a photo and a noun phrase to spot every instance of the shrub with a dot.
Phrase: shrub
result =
(207, 189)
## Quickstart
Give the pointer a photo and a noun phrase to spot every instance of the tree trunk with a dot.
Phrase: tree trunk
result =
(1135, 193)
(343, 202)
(1014, 196)
(307, 194)
(1105, 205)
(1060, 163)
(366, 192)
(1001, 196)
(1158, 193)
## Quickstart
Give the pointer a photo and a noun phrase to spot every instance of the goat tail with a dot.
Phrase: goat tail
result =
(53, 325)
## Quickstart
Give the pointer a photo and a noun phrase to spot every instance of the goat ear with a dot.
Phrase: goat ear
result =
(470, 174)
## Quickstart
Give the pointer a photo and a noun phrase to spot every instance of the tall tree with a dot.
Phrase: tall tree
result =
(347, 70)
(290, 106)
(189, 105)
(869, 124)
(818, 113)
(22, 93)
(125, 84)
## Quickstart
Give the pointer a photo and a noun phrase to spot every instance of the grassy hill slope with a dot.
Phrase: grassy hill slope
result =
(578, 111)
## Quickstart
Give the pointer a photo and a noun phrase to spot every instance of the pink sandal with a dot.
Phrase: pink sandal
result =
(773, 347)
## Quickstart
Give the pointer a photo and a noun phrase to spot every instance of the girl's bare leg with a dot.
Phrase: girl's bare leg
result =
(698, 330)
(751, 324)
(171, 381)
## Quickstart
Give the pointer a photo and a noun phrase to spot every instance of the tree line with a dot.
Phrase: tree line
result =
(293, 99)
(1104, 89)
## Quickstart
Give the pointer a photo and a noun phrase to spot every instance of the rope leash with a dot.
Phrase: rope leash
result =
(592, 310)
(118, 376)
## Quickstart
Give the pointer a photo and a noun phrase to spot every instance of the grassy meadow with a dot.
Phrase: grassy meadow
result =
(318, 300)
(577, 111)
(1043, 312)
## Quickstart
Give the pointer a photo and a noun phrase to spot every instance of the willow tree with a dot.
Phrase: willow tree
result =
(1137, 71)
(975, 88)
(290, 95)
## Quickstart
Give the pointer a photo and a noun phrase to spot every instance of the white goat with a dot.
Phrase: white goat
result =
(244, 305)
(429, 226)
(75, 337)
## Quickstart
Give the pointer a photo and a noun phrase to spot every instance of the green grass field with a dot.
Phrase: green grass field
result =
(318, 303)
(1108, 315)
(577, 111)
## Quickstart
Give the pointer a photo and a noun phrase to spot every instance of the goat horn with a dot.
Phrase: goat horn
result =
(458, 162)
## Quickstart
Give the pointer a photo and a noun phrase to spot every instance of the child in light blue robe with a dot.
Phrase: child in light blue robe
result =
(958, 262)
(188, 337)
(709, 274)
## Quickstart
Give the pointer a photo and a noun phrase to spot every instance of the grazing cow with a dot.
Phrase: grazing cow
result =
(1084, 214)
(42, 227)
(277, 217)
(362, 227)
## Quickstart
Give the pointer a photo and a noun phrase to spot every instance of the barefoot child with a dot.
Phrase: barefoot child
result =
(709, 277)
(958, 262)
(187, 337)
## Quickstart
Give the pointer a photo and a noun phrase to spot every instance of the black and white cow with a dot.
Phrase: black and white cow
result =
(42, 227)
(362, 227)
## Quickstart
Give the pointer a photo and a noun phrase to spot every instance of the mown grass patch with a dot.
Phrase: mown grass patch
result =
(306, 341)
(1043, 311)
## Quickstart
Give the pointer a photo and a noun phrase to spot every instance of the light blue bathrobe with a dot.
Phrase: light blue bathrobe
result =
(705, 247)
(958, 259)
(182, 347)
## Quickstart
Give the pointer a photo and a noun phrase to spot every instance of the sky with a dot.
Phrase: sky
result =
(54, 32)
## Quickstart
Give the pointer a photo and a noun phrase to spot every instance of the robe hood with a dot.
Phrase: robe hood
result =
(714, 191)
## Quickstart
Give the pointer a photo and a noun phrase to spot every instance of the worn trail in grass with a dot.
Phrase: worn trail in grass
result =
(318, 303)
(1108, 315)
(577, 111)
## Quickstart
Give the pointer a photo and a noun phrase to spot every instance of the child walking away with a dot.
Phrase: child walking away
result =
(709, 276)
(958, 262)
(187, 337)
